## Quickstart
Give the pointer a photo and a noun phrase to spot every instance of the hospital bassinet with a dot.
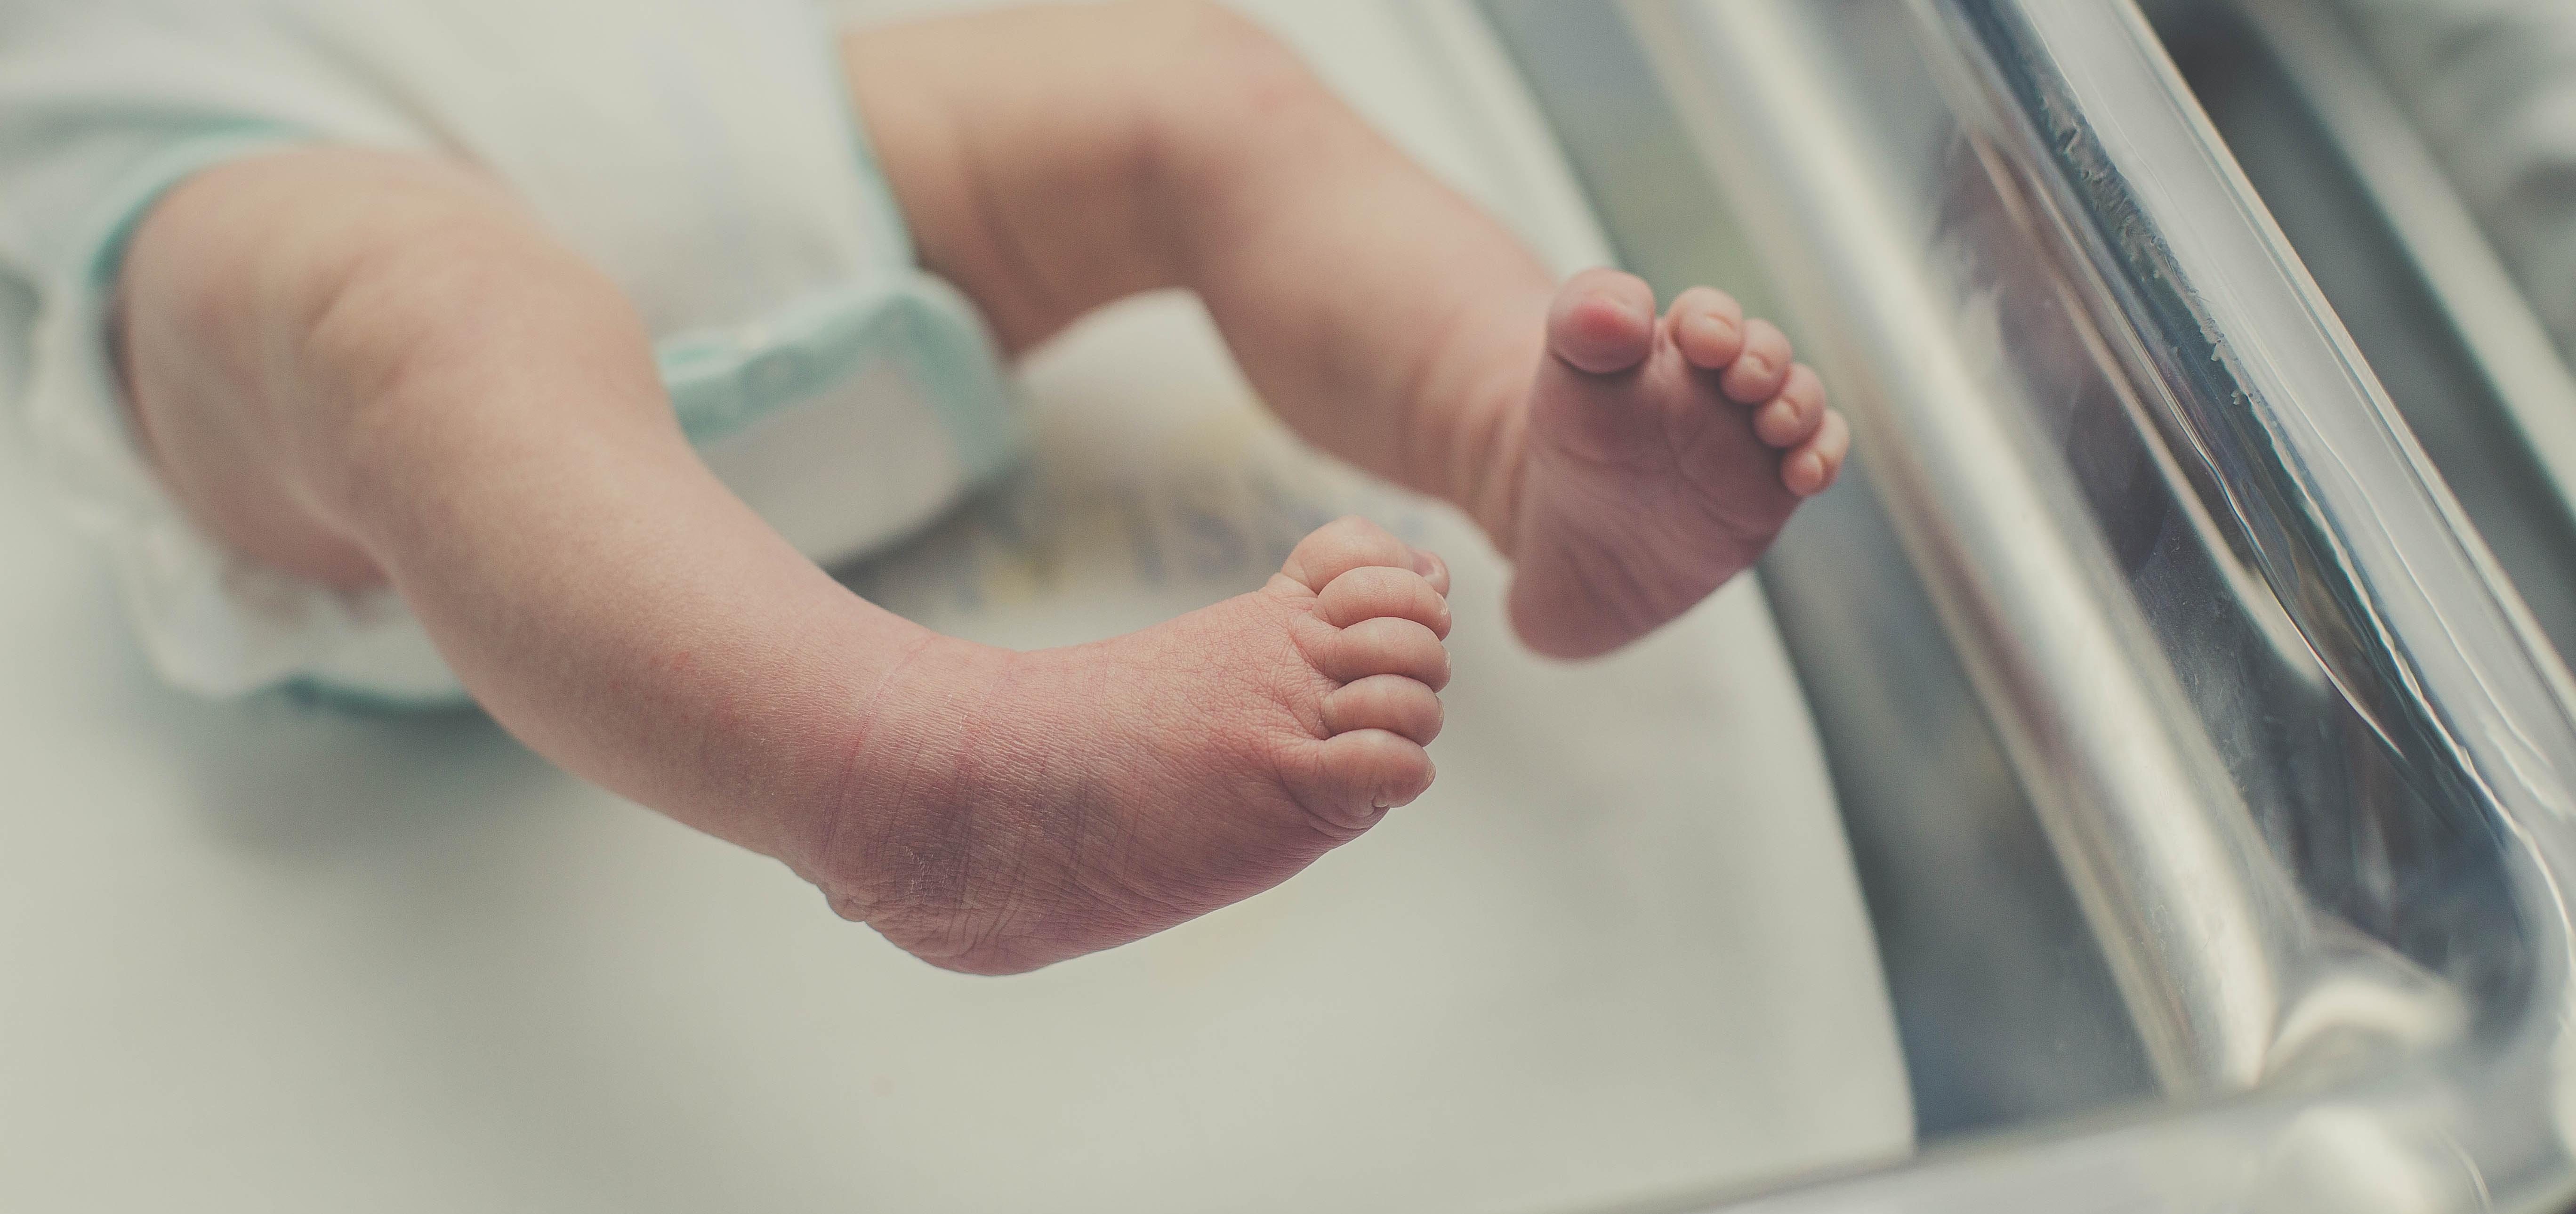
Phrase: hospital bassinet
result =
(2209, 782)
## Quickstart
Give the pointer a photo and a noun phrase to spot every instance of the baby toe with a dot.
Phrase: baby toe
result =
(1385, 645)
(1603, 322)
(1793, 416)
(1813, 468)
(1763, 367)
(1708, 326)
(1391, 702)
(1378, 591)
(1351, 543)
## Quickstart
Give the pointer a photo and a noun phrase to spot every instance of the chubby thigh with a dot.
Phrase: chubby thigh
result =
(700, 155)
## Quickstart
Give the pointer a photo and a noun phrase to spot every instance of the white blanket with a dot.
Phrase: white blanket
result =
(277, 959)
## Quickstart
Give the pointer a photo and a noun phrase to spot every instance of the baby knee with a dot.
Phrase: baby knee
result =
(1230, 86)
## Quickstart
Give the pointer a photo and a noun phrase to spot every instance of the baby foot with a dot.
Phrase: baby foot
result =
(1010, 810)
(1659, 460)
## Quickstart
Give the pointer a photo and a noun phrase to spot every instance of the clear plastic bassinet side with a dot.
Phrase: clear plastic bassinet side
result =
(2210, 785)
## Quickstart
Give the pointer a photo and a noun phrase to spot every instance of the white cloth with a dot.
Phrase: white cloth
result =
(701, 152)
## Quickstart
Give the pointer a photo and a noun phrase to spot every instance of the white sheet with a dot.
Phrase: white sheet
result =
(277, 960)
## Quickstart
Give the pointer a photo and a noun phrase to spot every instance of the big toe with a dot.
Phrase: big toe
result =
(1360, 775)
(1603, 322)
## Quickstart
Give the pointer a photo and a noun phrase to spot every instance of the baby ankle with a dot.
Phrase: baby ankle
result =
(897, 829)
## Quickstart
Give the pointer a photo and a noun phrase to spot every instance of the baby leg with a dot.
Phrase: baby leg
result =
(369, 369)
(1055, 159)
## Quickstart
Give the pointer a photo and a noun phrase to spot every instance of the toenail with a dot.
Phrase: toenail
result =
(1713, 328)
(1756, 366)
(1813, 467)
(1424, 564)
(1628, 316)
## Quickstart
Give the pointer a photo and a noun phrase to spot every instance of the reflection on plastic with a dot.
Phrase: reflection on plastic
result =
(2290, 740)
